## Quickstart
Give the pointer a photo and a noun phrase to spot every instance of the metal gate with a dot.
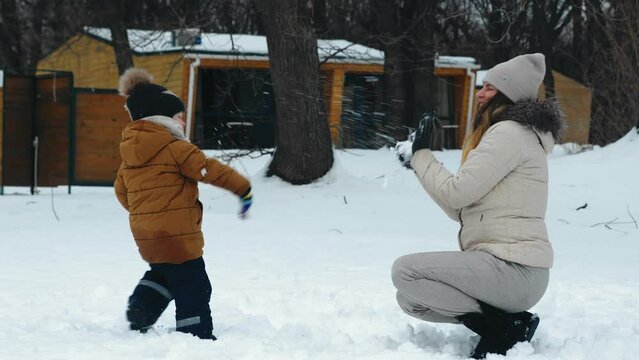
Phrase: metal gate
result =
(36, 121)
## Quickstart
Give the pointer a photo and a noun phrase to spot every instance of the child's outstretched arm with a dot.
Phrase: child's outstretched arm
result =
(195, 165)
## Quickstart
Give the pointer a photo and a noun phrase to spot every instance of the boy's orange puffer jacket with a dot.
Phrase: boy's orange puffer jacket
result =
(157, 184)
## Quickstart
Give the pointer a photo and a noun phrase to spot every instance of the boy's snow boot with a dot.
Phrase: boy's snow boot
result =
(200, 326)
(146, 304)
(499, 330)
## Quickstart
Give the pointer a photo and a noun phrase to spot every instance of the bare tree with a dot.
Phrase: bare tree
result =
(117, 11)
(613, 30)
(421, 49)
(504, 26)
(21, 26)
(320, 20)
(394, 89)
(406, 32)
(549, 19)
(303, 144)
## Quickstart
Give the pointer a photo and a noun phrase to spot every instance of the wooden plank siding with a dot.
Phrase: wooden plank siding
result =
(53, 117)
(93, 64)
(99, 120)
(575, 101)
(18, 131)
(167, 70)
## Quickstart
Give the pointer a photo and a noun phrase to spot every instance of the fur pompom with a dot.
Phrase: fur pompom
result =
(131, 78)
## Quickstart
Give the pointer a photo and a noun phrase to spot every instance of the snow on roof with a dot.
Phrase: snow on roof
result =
(479, 79)
(456, 62)
(149, 41)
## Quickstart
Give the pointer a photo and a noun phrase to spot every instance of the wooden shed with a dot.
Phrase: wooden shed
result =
(225, 79)
(225, 82)
(211, 73)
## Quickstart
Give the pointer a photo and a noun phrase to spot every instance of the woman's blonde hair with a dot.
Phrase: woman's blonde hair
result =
(483, 120)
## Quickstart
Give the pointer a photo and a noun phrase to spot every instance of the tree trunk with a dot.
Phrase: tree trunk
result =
(33, 35)
(395, 92)
(419, 45)
(10, 51)
(613, 31)
(319, 17)
(303, 142)
(20, 34)
(577, 51)
(119, 36)
(542, 42)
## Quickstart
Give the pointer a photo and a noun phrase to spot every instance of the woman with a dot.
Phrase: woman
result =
(499, 197)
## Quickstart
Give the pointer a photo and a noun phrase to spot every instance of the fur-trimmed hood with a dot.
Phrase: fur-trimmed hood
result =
(541, 115)
(143, 139)
(174, 128)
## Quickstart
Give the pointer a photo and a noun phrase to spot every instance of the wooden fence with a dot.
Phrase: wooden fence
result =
(53, 134)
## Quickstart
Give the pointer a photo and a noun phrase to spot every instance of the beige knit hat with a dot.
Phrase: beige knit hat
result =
(518, 78)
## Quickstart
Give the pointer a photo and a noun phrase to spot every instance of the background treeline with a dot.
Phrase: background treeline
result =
(593, 41)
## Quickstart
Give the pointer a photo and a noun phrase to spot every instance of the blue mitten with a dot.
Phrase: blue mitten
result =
(245, 204)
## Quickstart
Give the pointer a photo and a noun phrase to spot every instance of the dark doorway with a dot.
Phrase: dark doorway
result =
(235, 109)
(447, 128)
(362, 120)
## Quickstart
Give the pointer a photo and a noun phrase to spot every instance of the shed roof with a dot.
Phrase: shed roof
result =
(456, 62)
(151, 42)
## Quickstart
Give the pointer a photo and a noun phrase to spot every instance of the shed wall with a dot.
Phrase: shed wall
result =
(93, 64)
(575, 100)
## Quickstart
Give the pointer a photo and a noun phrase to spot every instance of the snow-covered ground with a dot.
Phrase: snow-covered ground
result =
(307, 276)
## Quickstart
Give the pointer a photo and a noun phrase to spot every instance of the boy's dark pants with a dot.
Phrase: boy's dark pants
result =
(187, 284)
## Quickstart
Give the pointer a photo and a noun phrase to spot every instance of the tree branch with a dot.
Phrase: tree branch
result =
(632, 217)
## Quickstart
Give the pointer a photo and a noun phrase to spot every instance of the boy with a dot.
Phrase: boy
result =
(157, 183)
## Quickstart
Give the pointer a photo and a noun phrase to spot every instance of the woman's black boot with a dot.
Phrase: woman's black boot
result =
(499, 330)
(476, 322)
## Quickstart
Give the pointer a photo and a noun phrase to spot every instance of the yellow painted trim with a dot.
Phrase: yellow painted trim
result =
(466, 102)
(354, 68)
(334, 101)
(450, 72)
(234, 64)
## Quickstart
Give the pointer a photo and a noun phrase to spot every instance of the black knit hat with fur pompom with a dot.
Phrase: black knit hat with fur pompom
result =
(146, 99)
